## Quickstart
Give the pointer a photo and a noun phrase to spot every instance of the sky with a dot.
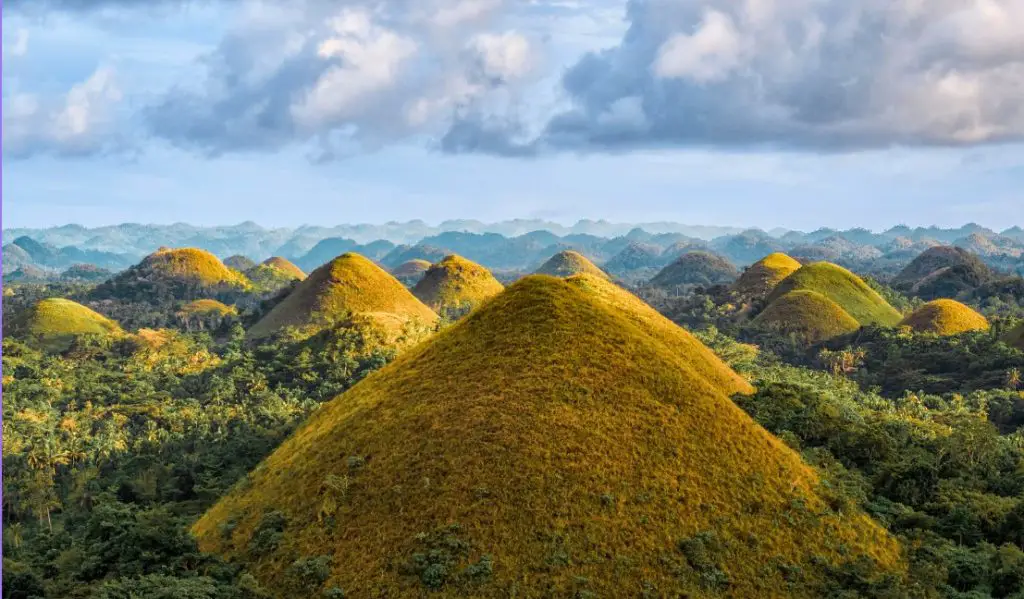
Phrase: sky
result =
(769, 113)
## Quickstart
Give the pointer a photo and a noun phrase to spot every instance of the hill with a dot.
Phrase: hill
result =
(634, 257)
(546, 443)
(1016, 337)
(239, 262)
(184, 274)
(405, 253)
(207, 307)
(696, 268)
(943, 271)
(85, 273)
(808, 314)
(945, 317)
(410, 273)
(844, 288)
(274, 273)
(567, 263)
(760, 278)
(348, 285)
(54, 323)
(454, 286)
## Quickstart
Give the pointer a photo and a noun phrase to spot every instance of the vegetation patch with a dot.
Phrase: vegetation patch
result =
(844, 288)
(454, 286)
(183, 274)
(696, 268)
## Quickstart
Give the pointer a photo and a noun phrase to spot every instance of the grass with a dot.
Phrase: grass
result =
(945, 317)
(54, 323)
(275, 273)
(549, 444)
(808, 314)
(207, 307)
(696, 268)
(284, 265)
(456, 284)
(568, 263)
(411, 268)
(844, 288)
(189, 265)
(348, 285)
(760, 278)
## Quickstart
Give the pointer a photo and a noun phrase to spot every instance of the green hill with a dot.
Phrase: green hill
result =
(696, 268)
(54, 323)
(455, 286)
(548, 444)
(567, 263)
(183, 274)
(410, 273)
(274, 273)
(945, 317)
(943, 271)
(760, 278)
(348, 285)
(808, 314)
(844, 288)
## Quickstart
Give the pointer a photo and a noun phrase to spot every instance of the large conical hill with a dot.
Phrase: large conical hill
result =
(567, 263)
(456, 285)
(760, 278)
(54, 323)
(844, 288)
(945, 317)
(348, 285)
(808, 314)
(544, 445)
(183, 273)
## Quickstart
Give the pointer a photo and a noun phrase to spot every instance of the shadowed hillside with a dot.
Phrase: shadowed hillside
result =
(943, 271)
(696, 268)
(348, 285)
(410, 273)
(548, 444)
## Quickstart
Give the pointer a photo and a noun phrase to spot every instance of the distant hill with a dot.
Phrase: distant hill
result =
(239, 262)
(274, 273)
(943, 271)
(548, 442)
(404, 253)
(844, 288)
(760, 278)
(568, 263)
(637, 260)
(348, 285)
(808, 314)
(945, 317)
(410, 273)
(183, 274)
(747, 247)
(54, 323)
(696, 268)
(85, 273)
(454, 286)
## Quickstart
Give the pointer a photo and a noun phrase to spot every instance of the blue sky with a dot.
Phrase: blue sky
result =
(762, 112)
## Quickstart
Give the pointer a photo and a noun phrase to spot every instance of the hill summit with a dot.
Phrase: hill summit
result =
(184, 273)
(567, 263)
(55, 322)
(454, 286)
(348, 285)
(549, 444)
(411, 271)
(760, 278)
(275, 273)
(696, 268)
(945, 317)
(844, 288)
(808, 314)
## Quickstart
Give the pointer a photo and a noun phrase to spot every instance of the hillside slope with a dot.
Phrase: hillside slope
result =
(807, 314)
(455, 285)
(696, 268)
(546, 445)
(945, 317)
(760, 278)
(844, 288)
(568, 263)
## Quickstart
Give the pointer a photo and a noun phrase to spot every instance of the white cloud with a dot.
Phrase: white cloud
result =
(20, 46)
(709, 54)
(80, 122)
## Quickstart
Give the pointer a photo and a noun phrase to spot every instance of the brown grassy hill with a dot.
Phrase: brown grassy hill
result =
(54, 323)
(185, 273)
(207, 307)
(808, 314)
(274, 273)
(568, 263)
(349, 284)
(945, 317)
(546, 445)
(410, 273)
(696, 268)
(454, 286)
(1016, 337)
(844, 288)
(760, 278)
